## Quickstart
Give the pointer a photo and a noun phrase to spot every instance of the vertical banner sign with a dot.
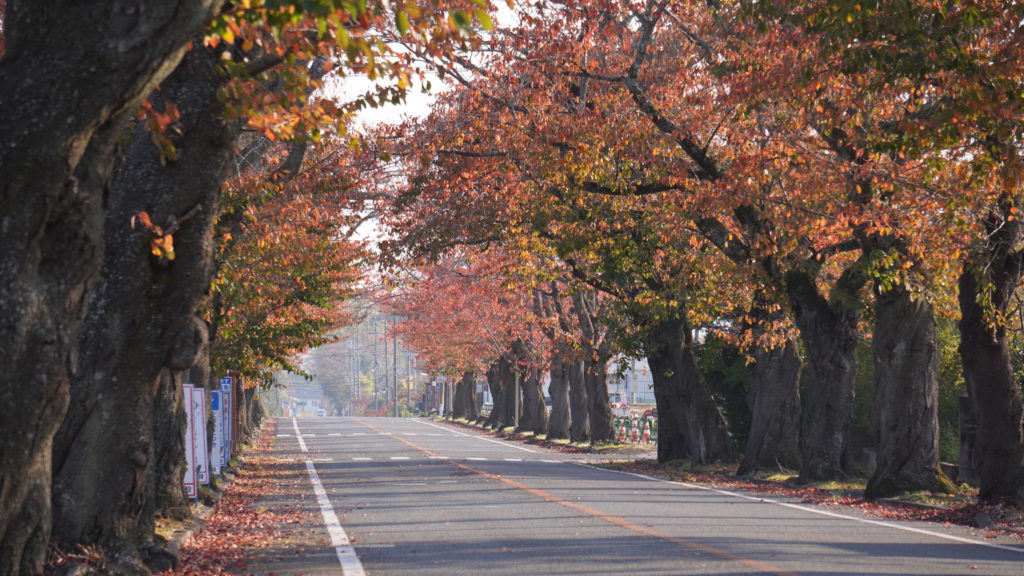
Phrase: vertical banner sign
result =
(216, 406)
(190, 454)
(202, 455)
(227, 409)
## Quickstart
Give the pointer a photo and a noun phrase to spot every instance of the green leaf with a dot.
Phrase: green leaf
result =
(461, 19)
(485, 20)
(402, 22)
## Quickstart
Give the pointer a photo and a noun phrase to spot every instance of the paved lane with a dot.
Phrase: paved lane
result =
(414, 497)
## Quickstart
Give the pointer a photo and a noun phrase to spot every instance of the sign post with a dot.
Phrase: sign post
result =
(202, 456)
(227, 401)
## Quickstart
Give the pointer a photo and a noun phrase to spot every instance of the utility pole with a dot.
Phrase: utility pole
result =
(394, 362)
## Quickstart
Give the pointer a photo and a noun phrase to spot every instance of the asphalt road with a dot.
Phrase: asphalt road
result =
(412, 497)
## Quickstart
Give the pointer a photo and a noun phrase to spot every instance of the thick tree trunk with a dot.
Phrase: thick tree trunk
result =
(579, 431)
(906, 397)
(70, 75)
(774, 397)
(991, 386)
(459, 404)
(558, 423)
(467, 386)
(141, 320)
(686, 395)
(496, 382)
(535, 413)
(672, 441)
(599, 406)
(829, 333)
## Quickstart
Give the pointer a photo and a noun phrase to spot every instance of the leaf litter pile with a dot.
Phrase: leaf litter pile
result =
(241, 530)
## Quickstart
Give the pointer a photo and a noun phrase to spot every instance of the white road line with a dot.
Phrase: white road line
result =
(476, 459)
(440, 458)
(334, 434)
(513, 459)
(457, 433)
(812, 510)
(309, 435)
(284, 435)
(552, 461)
(399, 457)
(359, 433)
(362, 459)
(350, 564)
(408, 433)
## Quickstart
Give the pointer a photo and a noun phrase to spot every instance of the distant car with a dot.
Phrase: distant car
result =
(321, 412)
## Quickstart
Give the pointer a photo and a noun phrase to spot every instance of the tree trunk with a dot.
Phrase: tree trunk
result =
(991, 386)
(72, 73)
(829, 333)
(579, 431)
(141, 320)
(535, 414)
(558, 423)
(468, 384)
(459, 404)
(672, 441)
(496, 382)
(774, 397)
(906, 397)
(686, 394)
(599, 406)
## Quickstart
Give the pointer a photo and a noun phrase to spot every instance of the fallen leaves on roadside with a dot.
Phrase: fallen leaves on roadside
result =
(240, 528)
(959, 514)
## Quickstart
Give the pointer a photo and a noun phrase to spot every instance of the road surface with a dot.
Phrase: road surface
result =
(413, 497)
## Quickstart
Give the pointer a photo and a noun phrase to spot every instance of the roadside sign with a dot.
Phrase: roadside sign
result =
(202, 456)
(191, 488)
(217, 448)
(227, 408)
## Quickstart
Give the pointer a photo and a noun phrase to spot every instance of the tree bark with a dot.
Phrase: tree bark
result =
(685, 394)
(906, 397)
(141, 320)
(672, 441)
(774, 397)
(599, 406)
(459, 404)
(71, 74)
(579, 431)
(988, 372)
(829, 333)
(496, 382)
(465, 397)
(559, 422)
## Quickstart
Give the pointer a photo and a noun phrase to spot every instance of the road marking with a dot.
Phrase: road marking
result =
(399, 457)
(552, 461)
(334, 434)
(760, 566)
(457, 433)
(284, 435)
(350, 564)
(440, 458)
(960, 539)
(513, 459)
(362, 459)
(477, 459)
(408, 433)
(359, 433)
(307, 435)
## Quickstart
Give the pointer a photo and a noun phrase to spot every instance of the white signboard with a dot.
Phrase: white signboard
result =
(199, 422)
(217, 448)
(191, 488)
(227, 407)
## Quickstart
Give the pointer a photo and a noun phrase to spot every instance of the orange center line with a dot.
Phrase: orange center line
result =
(760, 566)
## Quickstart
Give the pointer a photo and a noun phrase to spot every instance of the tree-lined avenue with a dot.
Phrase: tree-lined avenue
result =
(418, 498)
